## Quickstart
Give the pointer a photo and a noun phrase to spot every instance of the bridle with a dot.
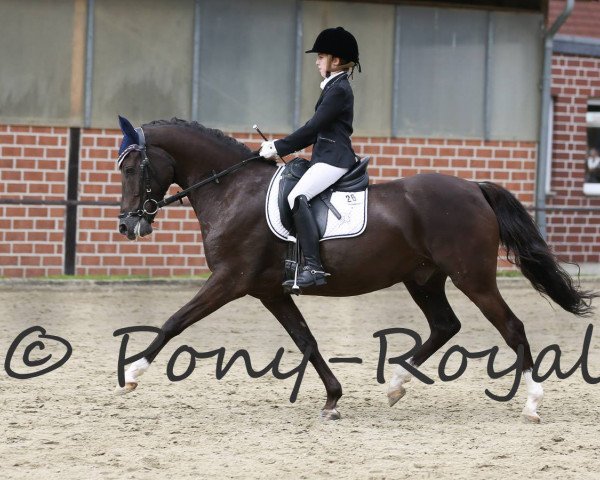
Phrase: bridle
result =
(149, 207)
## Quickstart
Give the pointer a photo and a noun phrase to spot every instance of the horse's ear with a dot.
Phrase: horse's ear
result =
(127, 129)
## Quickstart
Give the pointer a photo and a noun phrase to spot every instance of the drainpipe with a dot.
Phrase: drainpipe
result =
(542, 167)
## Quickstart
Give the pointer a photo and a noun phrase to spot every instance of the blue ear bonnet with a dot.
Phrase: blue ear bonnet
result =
(127, 142)
(131, 137)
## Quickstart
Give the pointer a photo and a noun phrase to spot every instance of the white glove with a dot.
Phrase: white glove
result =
(268, 150)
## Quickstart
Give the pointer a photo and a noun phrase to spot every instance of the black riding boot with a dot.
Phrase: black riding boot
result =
(307, 234)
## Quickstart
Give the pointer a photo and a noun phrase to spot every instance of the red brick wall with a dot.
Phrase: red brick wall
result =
(574, 80)
(584, 19)
(33, 165)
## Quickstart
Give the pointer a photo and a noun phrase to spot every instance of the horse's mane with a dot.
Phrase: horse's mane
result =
(212, 132)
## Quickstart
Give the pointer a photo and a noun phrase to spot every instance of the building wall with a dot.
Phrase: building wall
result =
(573, 233)
(584, 20)
(33, 165)
(575, 79)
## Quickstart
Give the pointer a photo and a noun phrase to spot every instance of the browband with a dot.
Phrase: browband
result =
(141, 145)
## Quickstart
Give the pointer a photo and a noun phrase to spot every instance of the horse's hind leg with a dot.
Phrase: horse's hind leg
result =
(485, 294)
(431, 298)
(286, 311)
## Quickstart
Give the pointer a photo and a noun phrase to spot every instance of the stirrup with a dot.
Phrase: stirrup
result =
(291, 284)
(317, 277)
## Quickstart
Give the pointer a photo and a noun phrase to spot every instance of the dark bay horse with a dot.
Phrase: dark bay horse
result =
(421, 230)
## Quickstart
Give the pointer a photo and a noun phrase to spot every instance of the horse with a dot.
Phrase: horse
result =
(421, 231)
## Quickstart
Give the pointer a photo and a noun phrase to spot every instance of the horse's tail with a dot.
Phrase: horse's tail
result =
(524, 243)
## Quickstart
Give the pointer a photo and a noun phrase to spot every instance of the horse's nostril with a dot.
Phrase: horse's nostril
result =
(123, 229)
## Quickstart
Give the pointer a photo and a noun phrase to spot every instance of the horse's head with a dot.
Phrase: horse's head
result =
(147, 172)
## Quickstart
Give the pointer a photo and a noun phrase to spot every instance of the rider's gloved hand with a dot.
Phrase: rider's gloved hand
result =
(268, 150)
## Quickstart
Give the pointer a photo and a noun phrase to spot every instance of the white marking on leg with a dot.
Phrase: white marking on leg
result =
(136, 370)
(401, 376)
(535, 394)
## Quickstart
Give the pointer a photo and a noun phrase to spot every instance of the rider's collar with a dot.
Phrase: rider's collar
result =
(330, 77)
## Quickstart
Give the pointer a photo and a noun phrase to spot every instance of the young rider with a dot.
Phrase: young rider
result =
(329, 132)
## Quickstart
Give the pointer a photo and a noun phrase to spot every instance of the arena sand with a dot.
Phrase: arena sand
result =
(68, 424)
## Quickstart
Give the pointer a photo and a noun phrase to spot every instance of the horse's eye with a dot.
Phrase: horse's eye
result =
(129, 171)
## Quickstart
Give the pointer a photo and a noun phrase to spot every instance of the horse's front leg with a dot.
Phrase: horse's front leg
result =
(285, 310)
(216, 292)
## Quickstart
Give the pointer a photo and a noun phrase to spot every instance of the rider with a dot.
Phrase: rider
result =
(329, 132)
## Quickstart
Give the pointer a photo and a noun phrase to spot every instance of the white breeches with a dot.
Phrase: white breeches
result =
(316, 179)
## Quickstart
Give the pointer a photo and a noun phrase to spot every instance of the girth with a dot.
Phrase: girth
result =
(355, 180)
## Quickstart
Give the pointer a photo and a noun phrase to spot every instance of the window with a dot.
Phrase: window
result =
(514, 79)
(37, 68)
(592, 161)
(468, 73)
(548, 185)
(442, 72)
(142, 60)
(373, 27)
(247, 52)
(427, 71)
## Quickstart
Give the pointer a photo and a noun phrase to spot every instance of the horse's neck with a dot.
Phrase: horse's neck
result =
(197, 165)
(232, 190)
(198, 157)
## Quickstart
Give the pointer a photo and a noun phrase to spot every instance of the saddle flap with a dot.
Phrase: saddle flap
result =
(292, 172)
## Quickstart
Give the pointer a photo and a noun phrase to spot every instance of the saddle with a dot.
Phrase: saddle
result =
(355, 180)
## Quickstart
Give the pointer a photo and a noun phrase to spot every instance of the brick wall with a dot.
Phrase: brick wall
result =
(584, 19)
(574, 233)
(33, 165)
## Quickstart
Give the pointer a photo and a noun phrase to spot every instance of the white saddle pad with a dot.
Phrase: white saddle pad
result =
(352, 206)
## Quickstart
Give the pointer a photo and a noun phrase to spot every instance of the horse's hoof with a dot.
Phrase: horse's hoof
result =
(332, 414)
(395, 395)
(129, 387)
(530, 416)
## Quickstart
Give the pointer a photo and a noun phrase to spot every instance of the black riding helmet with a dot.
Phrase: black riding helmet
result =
(337, 42)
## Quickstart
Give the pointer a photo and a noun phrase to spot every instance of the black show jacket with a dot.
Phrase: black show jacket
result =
(329, 129)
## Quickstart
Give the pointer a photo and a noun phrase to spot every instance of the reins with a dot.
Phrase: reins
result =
(149, 207)
(214, 178)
